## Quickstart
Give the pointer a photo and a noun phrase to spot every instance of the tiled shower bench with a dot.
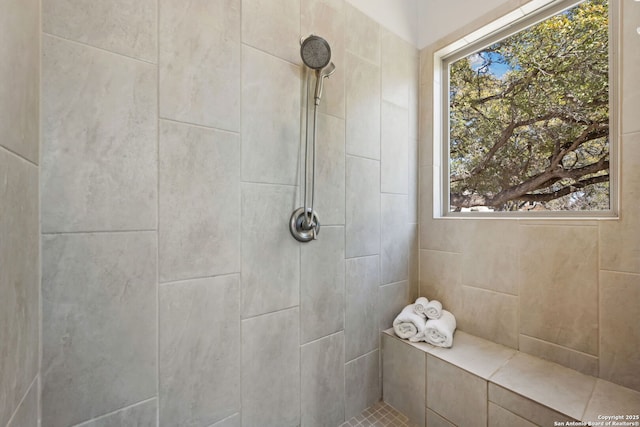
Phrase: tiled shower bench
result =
(481, 383)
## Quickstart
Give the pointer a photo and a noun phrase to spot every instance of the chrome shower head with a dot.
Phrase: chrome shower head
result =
(315, 52)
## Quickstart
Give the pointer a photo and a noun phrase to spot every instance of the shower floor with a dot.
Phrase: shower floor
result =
(379, 415)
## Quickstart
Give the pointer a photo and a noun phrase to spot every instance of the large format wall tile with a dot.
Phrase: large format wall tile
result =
(619, 243)
(440, 278)
(392, 299)
(271, 124)
(20, 77)
(361, 310)
(270, 255)
(200, 62)
(394, 146)
(199, 351)
(401, 361)
(477, 356)
(455, 394)
(362, 383)
(273, 26)
(581, 362)
(500, 417)
(19, 280)
(119, 26)
(413, 181)
(363, 207)
(322, 280)
(99, 159)
(199, 215)
(271, 370)
(630, 67)
(427, 111)
(523, 407)
(551, 385)
(414, 261)
(143, 414)
(395, 67)
(491, 266)
(415, 102)
(99, 324)
(362, 107)
(448, 235)
(323, 382)
(394, 239)
(500, 327)
(619, 328)
(325, 18)
(363, 34)
(553, 280)
(330, 170)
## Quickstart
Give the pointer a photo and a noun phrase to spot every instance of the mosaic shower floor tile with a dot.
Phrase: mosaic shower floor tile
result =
(379, 415)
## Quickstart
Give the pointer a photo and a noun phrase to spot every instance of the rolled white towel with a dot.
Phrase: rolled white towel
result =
(439, 332)
(408, 324)
(420, 306)
(417, 337)
(433, 310)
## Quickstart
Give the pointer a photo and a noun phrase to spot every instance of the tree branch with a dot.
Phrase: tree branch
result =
(542, 180)
(572, 188)
(524, 82)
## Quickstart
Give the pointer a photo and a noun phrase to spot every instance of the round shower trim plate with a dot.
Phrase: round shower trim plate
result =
(299, 233)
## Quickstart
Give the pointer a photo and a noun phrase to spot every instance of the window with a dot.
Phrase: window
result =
(527, 122)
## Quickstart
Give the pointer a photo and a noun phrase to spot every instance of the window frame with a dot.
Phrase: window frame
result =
(499, 29)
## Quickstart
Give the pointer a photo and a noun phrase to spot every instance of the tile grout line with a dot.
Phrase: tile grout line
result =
(103, 50)
(628, 273)
(191, 124)
(273, 184)
(358, 156)
(344, 233)
(40, 252)
(108, 414)
(265, 52)
(189, 279)
(240, 212)
(63, 233)
(23, 399)
(158, 213)
(300, 246)
(558, 345)
(586, 406)
(599, 292)
(20, 156)
(280, 310)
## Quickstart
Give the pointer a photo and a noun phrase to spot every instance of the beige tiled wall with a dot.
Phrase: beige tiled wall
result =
(561, 290)
(19, 212)
(172, 162)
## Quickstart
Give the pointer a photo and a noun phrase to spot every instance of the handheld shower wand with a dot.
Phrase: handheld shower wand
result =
(316, 55)
(320, 76)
